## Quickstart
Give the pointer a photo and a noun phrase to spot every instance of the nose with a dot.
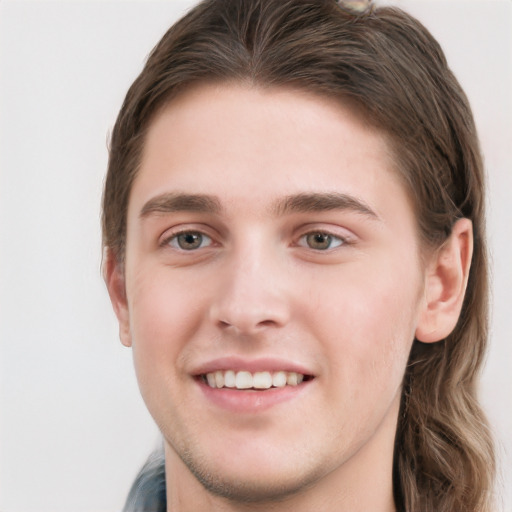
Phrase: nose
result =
(251, 293)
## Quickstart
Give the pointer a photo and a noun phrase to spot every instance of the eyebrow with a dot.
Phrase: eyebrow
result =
(177, 202)
(297, 203)
(320, 202)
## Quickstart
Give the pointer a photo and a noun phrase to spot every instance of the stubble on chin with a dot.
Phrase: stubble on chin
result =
(262, 490)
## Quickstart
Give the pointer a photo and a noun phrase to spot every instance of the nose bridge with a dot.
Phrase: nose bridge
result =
(251, 293)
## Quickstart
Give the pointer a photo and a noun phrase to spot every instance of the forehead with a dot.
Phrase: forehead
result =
(250, 146)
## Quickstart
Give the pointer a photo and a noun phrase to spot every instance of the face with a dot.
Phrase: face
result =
(273, 286)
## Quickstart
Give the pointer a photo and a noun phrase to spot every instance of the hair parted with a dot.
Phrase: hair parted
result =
(387, 64)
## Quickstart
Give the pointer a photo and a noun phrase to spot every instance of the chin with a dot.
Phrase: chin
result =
(251, 486)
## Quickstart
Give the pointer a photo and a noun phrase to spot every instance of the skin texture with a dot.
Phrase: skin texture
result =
(258, 293)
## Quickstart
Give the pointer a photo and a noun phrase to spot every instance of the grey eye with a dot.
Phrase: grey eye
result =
(320, 241)
(190, 240)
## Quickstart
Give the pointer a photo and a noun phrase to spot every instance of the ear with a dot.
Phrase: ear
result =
(445, 284)
(113, 273)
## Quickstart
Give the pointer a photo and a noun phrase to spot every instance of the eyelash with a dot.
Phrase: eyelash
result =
(330, 238)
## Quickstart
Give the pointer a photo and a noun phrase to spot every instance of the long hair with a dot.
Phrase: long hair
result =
(389, 66)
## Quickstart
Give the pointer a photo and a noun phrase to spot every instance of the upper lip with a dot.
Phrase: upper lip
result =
(268, 364)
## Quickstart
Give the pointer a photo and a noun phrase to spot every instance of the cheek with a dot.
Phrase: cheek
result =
(367, 319)
(164, 314)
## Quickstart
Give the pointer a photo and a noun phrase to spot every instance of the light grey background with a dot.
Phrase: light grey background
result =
(73, 429)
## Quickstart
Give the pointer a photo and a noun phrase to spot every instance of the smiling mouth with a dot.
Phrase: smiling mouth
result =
(244, 380)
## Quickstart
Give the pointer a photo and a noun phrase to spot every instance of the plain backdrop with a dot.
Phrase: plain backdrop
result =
(73, 428)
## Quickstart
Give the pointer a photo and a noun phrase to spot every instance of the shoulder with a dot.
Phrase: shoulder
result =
(147, 493)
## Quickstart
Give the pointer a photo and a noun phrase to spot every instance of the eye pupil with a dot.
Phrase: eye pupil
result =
(319, 240)
(189, 241)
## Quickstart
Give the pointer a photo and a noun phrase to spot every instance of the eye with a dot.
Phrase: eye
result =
(189, 241)
(320, 241)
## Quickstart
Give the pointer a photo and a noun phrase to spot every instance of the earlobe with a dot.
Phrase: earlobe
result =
(113, 274)
(445, 284)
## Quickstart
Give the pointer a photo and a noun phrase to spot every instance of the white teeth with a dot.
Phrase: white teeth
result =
(279, 379)
(243, 380)
(262, 380)
(247, 380)
(229, 379)
(219, 379)
(292, 379)
(210, 377)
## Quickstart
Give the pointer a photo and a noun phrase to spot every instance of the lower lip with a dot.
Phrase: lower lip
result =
(249, 401)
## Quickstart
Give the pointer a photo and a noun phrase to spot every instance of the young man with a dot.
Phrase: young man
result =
(293, 219)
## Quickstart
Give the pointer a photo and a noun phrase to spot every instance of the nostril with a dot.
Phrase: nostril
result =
(245, 326)
(267, 323)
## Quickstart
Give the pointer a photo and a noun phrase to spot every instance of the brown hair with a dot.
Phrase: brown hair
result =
(389, 65)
